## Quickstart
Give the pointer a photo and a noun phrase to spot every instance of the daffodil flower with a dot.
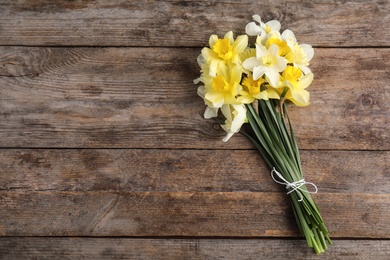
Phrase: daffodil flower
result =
(300, 54)
(293, 79)
(252, 29)
(262, 30)
(268, 62)
(235, 117)
(223, 50)
(224, 87)
(252, 90)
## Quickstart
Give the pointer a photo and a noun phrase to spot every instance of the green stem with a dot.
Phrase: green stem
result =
(278, 146)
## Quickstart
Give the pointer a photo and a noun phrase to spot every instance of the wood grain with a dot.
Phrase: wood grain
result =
(130, 248)
(172, 23)
(145, 98)
(185, 170)
(227, 214)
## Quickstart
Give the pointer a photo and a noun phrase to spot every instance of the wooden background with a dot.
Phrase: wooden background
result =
(104, 152)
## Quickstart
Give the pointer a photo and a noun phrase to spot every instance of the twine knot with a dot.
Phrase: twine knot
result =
(293, 186)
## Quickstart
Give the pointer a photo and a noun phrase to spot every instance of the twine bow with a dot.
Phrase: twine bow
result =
(295, 186)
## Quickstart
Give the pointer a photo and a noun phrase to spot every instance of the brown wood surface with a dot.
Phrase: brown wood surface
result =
(184, 170)
(176, 248)
(203, 214)
(104, 153)
(189, 22)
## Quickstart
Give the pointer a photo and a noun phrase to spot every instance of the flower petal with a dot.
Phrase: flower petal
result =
(225, 109)
(273, 50)
(272, 93)
(305, 69)
(223, 70)
(239, 117)
(272, 77)
(300, 97)
(309, 51)
(305, 81)
(281, 64)
(274, 25)
(289, 37)
(210, 112)
(256, 18)
(252, 29)
(227, 137)
(235, 74)
(216, 99)
(250, 63)
(262, 95)
(258, 72)
(208, 54)
(261, 51)
(262, 38)
(240, 44)
(214, 67)
(201, 91)
(229, 36)
(245, 99)
(213, 39)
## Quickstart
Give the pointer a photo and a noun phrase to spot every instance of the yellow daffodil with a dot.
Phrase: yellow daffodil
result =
(268, 62)
(224, 87)
(223, 51)
(293, 79)
(252, 89)
(235, 117)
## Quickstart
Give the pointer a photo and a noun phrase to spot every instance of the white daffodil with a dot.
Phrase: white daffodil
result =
(262, 30)
(268, 62)
(235, 117)
(252, 29)
(300, 54)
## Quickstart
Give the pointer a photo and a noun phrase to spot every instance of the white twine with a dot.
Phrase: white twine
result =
(295, 186)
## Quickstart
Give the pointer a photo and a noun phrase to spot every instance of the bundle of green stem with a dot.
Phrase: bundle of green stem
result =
(273, 136)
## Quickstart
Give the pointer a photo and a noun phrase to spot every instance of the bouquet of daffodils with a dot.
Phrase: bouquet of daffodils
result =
(251, 85)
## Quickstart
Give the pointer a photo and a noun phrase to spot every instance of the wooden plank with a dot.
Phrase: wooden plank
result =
(145, 98)
(185, 170)
(130, 248)
(172, 23)
(227, 214)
